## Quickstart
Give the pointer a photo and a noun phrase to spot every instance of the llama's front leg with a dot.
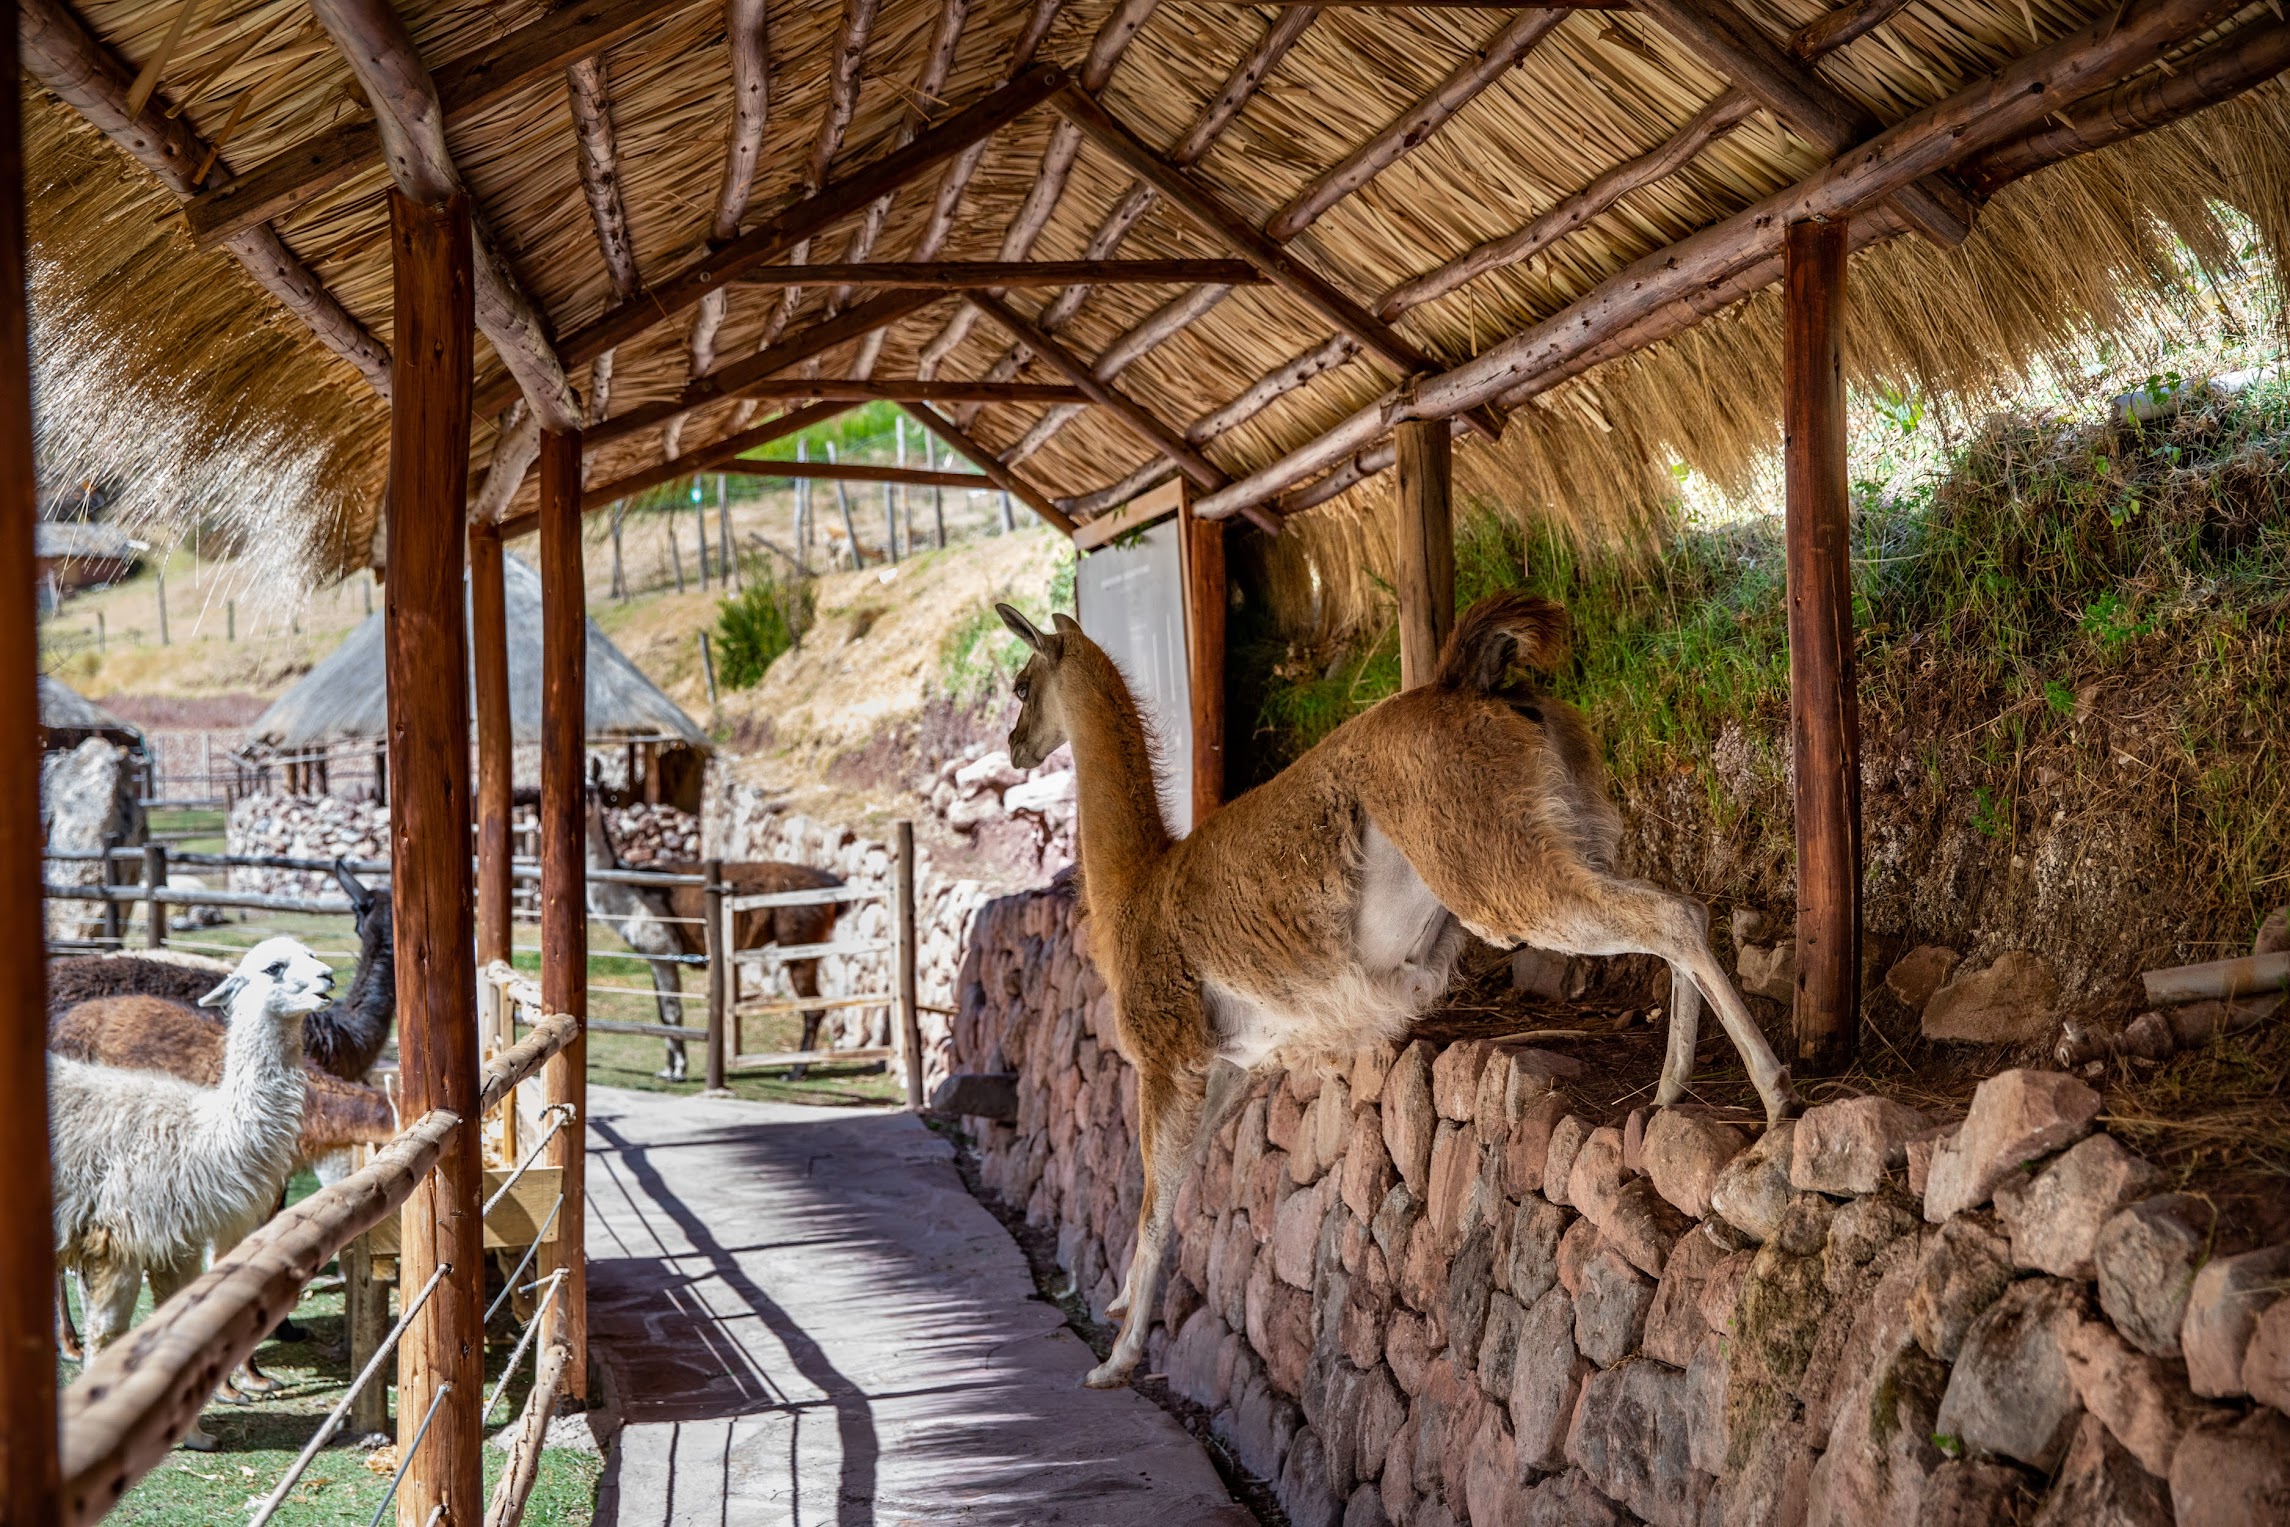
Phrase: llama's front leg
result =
(108, 1286)
(668, 992)
(67, 1334)
(1170, 1121)
(1685, 1027)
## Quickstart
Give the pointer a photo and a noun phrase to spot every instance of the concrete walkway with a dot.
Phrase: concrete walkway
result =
(804, 1318)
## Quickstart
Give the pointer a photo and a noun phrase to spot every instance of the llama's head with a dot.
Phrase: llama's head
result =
(291, 979)
(1041, 722)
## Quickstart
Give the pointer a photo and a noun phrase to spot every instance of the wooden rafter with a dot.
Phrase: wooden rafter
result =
(850, 471)
(912, 390)
(1169, 318)
(588, 92)
(704, 458)
(65, 55)
(380, 51)
(465, 85)
(958, 275)
(746, 39)
(834, 122)
(983, 459)
(947, 199)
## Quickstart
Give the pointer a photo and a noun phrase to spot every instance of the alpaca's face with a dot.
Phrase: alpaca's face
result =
(1040, 730)
(295, 980)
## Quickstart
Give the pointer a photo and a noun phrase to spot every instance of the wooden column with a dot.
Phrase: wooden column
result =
(723, 980)
(496, 745)
(430, 891)
(908, 1017)
(1203, 548)
(1824, 710)
(31, 1479)
(564, 871)
(1425, 565)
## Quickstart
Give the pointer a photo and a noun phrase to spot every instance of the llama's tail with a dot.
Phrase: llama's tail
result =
(1498, 631)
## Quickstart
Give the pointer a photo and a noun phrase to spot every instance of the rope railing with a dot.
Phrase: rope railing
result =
(553, 1283)
(507, 1507)
(412, 1449)
(510, 1287)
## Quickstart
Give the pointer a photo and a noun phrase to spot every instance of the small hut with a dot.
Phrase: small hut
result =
(342, 706)
(69, 718)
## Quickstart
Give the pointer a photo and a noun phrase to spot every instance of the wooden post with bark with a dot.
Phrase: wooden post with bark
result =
(908, 1017)
(154, 882)
(564, 874)
(723, 979)
(1824, 713)
(31, 1473)
(496, 748)
(1425, 565)
(427, 655)
(1201, 547)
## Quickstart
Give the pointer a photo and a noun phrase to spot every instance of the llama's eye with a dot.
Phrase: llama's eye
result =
(277, 969)
(1025, 691)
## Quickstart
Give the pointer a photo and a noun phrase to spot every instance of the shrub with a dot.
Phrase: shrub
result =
(756, 625)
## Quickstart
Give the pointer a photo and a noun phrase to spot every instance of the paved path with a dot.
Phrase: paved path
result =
(806, 1319)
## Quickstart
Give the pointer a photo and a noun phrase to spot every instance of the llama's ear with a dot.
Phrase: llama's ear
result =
(1065, 624)
(221, 995)
(1020, 627)
(361, 895)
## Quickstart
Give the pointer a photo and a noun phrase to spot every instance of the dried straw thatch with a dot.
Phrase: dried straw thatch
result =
(251, 417)
(346, 694)
(70, 718)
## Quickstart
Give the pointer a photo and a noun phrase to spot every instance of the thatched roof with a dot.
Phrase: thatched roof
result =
(346, 694)
(136, 322)
(70, 718)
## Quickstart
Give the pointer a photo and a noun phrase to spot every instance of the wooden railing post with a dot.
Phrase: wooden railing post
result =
(1203, 552)
(909, 1017)
(154, 881)
(428, 656)
(107, 876)
(1824, 709)
(722, 978)
(564, 873)
(489, 654)
(1424, 568)
(31, 1475)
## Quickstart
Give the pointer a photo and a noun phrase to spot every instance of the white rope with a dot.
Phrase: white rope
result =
(556, 1280)
(412, 1448)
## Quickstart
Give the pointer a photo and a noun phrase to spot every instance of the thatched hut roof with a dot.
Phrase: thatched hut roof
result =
(346, 694)
(1621, 138)
(70, 718)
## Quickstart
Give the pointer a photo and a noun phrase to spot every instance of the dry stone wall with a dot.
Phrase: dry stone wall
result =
(1420, 1288)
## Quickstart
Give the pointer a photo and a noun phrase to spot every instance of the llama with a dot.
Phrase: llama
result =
(667, 922)
(1324, 910)
(149, 1169)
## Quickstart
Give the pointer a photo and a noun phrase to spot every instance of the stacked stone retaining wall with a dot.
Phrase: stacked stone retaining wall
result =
(1419, 1288)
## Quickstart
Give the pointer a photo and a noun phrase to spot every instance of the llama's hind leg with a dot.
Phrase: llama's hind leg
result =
(668, 993)
(108, 1286)
(1171, 1117)
(67, 1334)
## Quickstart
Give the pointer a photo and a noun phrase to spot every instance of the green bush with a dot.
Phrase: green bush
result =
(756, 625)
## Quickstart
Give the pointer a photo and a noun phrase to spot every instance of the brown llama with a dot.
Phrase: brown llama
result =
(1324, 910)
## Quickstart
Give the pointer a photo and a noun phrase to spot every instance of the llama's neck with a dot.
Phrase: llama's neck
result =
(256, 1109)
(346, 1037)
(1120, 826)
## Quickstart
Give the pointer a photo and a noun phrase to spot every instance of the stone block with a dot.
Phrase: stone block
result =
(1367, 1175)
(2102, 1485)
(1848, 1146)
(1866, 1325)
(1632, 1439)
(1422, 1278)
(1395, 1222)
(1595, 1176)
(1540, 973)
(1546, 1380)
(1769, 971)
(1916, 975)
(1527, 1150)
(1366, 1508)
(1199, 1365)
(1395, 1486)
(1370, 1063)
(1752, 1189)
(1367, 1311)
(1975, 1493)
(1408, 1116)
(1864, 1227)
(1705, 1406)
(1455, 1080)
(1570, 1500)
(1963, 1270)
(1259, 1427)
(1643, 1227)
(1880, 1451)
(1283, 1117)
(1920, 1150)
(1499, 1346)
(1470, 1283)
(1303, 1486)
(1574, 1249)
(2223, 1306)
(1532, 1266)
(2011, 1391)
(1674, 1326)
(2231, 1473)
(2054, 1214)
(1634, 1141)
(1558, 1161)
(1279, 1326)
(1409, 1345)
(2145, 1258)
(1772, 1477)
(1491, 1478)
(1454, 1171)
(1684, 1153)
(2139, 1399)
(1610, 1308)
(1721, 1292)
(1232, 1259)
(1296, 1232)
(2266, 1362)
(2010, 1002)
(2016, 1116)
(1268, 1188)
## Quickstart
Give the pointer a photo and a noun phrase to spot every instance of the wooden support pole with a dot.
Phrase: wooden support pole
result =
(154, 882)
(1203, 549)
(909, 1017)
(720, 973)
(960, 275)
(1824, 711)
(564, 875)
(496, 747)
(428, 655)
(31, 1475)
(1425, 566)
(825, 471)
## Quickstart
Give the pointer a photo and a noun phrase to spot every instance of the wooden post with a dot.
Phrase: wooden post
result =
(107, 876)
(909, 1019)
(1824, 710)
(1425, 566)
(1203, 549)
(496, 746)
(366, 1312)
(722, 978)
(430, 891)
(154, 881)
(31, 1476)
(564, 874)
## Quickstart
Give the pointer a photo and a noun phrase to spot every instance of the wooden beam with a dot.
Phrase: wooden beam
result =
(983, 459)
(1133, 514)
(704, 458)
(955, 275)
(1106, 396)
(1857, 18)
(850, 471)
(745, 40)
(564, 876)
(1824, 706)
(1501, 53)
(946, 201)
(901, 390)
(1737, 48)
(1424, 569)
(1202, 543)
(929, 89)
(31, 1472)
(728, 381)
(781, 232)
(496, 746)
(587, 93)
(466, 85)
(373, 40)
(427, 652)
(64, 54)
(1436, 5)
(1667, 280)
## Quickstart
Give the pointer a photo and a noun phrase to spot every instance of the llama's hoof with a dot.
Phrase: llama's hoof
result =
(1113, 1373)
(1119, 1307)
(199, 1440)
(251, 1382)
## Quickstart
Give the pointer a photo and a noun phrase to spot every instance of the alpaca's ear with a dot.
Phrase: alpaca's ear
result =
(361, 895)
(1020, 627)
(221, 995)
(1065, 624)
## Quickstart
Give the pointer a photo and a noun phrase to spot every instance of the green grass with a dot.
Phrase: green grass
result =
(980, 655)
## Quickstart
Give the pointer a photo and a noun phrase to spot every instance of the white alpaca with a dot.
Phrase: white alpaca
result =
(149, 1168)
